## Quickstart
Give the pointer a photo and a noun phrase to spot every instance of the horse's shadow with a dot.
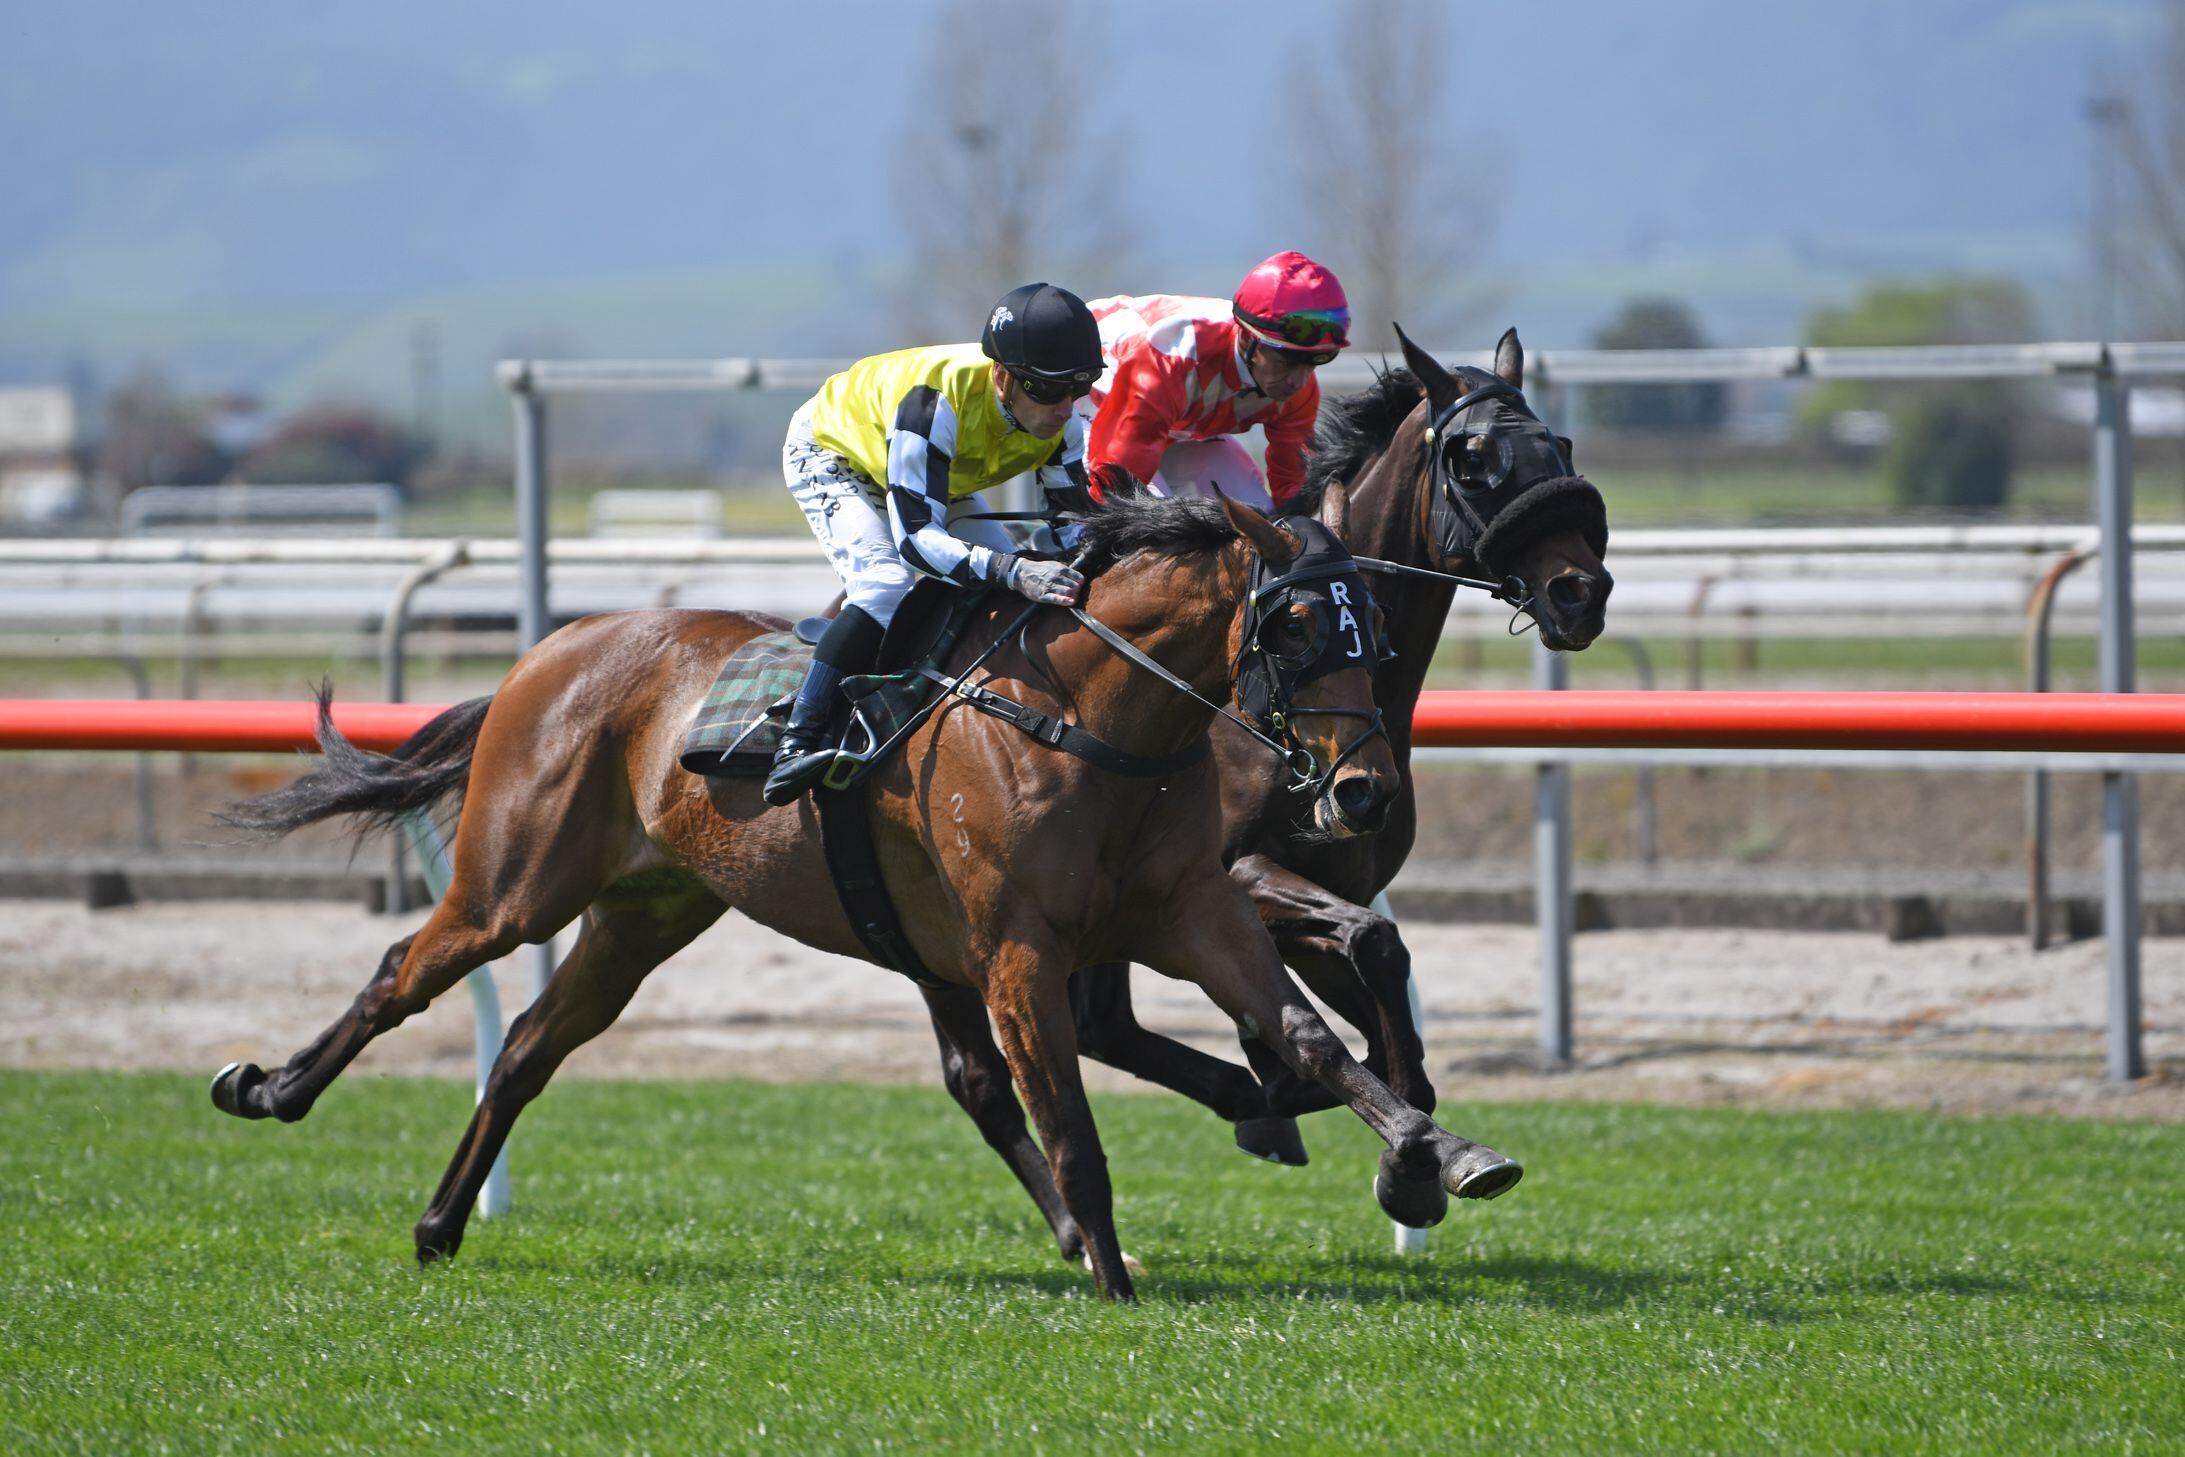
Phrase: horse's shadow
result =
(1516, 1282)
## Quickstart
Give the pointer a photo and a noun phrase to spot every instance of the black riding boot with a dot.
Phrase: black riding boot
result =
(848, 646)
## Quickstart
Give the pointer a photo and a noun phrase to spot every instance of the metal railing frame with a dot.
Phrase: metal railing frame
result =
(2108, 365)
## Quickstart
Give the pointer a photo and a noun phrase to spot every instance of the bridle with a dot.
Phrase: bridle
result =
(1324, 577)
(1467, 511)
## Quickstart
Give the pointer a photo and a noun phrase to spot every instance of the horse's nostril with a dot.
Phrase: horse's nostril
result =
(1361, 802)
(1571, 591)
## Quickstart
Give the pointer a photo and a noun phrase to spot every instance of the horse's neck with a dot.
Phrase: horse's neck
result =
(1173, 612)
(1387, 520)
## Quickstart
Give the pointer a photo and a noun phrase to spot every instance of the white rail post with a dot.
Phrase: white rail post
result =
(2120, 792)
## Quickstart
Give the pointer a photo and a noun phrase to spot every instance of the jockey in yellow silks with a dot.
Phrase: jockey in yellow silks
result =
(887, 462)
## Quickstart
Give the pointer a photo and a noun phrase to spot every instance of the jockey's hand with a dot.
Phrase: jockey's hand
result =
(1058, 583)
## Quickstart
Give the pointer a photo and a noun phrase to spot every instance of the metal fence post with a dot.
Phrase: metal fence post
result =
(393, 685)
(1551, 875)
(531, 522)
(2120, 792)
(532, 621)
(1552, 909)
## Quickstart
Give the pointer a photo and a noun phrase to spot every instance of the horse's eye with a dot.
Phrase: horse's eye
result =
(1292, 631)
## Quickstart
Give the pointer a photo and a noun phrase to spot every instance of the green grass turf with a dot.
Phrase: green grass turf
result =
(733, 1267)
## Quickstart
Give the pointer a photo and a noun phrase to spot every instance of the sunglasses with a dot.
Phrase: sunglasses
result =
(1051, 391)
(1317, 329)
(1309, 358)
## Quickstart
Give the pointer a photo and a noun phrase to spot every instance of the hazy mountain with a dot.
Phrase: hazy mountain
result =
(294, 197)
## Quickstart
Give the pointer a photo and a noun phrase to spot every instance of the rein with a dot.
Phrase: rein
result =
(1303, 769)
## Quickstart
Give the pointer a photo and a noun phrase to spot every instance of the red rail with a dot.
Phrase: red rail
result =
(2132, 723)
(2085, 722)
(208, 725)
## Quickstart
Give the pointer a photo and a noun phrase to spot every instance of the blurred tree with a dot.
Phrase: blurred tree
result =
(334, 445)
(2152, 130)
(1952, 442)
(1693, 407)
(150, 436)
(995, 181)
(1375, 186)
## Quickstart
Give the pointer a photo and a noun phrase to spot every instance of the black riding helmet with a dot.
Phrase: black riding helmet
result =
(1044, 332)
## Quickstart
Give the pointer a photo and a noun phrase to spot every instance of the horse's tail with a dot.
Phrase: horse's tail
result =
(431, 765)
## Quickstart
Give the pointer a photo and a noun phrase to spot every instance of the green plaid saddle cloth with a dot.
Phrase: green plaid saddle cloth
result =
(740, 723)
(741, 720)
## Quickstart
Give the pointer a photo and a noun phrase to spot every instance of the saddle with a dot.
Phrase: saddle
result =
(740, 722)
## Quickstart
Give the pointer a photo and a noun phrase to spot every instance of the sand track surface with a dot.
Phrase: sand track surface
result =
(1697, 1016)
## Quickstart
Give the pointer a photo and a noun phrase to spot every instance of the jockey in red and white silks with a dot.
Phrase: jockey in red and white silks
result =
(1186, 375)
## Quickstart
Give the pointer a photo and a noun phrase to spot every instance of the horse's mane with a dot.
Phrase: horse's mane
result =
(1355, 428)
(1170, 525)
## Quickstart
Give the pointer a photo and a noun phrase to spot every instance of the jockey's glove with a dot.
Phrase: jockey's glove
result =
(1058, 583)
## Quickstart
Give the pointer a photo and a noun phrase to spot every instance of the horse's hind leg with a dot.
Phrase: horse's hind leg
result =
(977, 1076)
(634, 926)
(509, 889)
(1108, 1031)
(415, 970)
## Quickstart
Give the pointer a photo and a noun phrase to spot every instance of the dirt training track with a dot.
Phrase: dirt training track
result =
(1762, 1018)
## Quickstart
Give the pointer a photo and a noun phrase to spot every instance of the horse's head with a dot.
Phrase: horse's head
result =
(1501, 496)
(1306, 643)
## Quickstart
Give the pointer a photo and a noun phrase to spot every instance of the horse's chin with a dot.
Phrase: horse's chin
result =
(1568, 637)
(1329, 821)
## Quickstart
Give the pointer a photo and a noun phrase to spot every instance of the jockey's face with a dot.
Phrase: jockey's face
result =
(1278, 374)
(1044, 421)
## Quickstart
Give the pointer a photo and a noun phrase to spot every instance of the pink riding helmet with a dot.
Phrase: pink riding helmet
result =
(1291, 302)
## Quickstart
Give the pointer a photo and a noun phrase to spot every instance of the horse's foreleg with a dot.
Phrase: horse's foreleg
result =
(627, 933)
(1027, 991)
(1213, 937)
(1356, 963)
(978, 1078)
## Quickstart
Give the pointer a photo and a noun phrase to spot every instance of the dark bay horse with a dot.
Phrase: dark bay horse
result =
(1011, 864)
(1447, 471)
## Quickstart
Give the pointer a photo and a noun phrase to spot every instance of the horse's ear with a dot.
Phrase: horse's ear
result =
(1568, 459)
(1510, 359)
(1441, 385)
(1273, 542)
(1335, 510)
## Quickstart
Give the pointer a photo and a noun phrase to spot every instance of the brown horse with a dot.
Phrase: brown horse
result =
(1011, 863)
(1448, 472)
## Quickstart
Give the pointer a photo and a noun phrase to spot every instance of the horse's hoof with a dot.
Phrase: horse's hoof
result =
(435, 1245)
(232, 1085)
(1274, 1139)
(1131, 1266)
(1412, 1202)
(1480, 1173)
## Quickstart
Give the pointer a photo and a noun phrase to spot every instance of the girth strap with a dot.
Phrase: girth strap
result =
(1069, 738)
(853, 863)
